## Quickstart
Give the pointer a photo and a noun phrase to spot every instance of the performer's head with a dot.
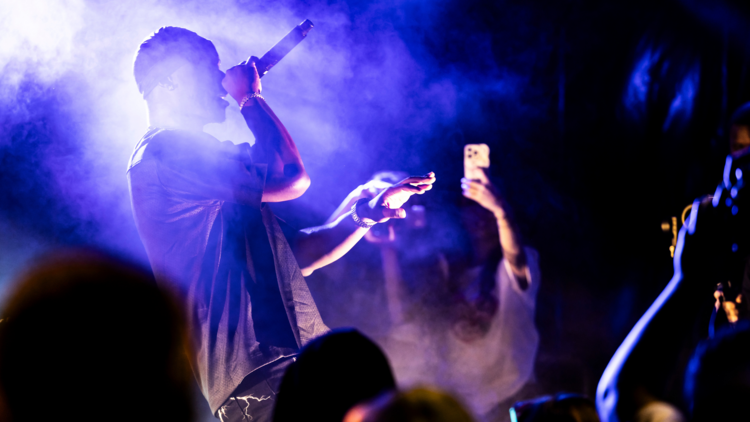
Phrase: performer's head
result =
(177, 72)
(739, 135)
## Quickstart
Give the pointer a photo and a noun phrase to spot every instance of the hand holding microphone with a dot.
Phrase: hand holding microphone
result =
(243, 80)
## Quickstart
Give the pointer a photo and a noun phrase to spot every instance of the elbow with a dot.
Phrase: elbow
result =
(298, 181)
(286, 188)
(302, 184)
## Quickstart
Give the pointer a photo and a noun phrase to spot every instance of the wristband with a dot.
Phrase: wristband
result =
(248, 97)
(358, 221)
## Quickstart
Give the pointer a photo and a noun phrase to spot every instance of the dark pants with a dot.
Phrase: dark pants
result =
(255, 397)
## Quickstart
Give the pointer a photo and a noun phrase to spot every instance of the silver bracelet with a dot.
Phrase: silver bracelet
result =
(248, 97)
(358, 221)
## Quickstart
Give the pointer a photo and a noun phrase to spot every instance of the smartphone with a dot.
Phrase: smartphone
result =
(476, 158)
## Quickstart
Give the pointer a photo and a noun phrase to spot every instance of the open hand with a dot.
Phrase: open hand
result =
(370, 189)
(389, 202)
(242, 80)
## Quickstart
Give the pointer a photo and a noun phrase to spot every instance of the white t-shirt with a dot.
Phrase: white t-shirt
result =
(483, 372)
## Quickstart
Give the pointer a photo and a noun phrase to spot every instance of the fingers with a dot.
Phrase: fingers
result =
(472, 190)
(250, 60)
(253, 69)
(419, 189)
(394, 213)
(377, 184)
(427, 179)
(250, 63)
(470, 193)
(242, 79)
(396, 196)
(468, 184)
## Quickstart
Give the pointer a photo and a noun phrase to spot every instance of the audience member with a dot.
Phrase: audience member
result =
(416, 405)
(332, 374)
(717, 382)
(640, 374)
(557, 408)
(88, 337)
(739, 130)
(462, 313)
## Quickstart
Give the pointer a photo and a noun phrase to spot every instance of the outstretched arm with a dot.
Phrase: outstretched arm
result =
(317, 247)
(286, 178)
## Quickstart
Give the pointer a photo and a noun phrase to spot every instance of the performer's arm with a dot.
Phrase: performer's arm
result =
(484, 193)
(317, 247)
(286, 178)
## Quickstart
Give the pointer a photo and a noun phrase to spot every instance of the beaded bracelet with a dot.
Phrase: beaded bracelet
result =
(248, 97)
(358, 221)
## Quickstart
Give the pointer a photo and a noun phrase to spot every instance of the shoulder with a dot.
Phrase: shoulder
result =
(179, 142)
(158, 142)
(169, 145)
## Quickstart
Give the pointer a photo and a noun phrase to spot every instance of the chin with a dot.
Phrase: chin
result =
(218, 115)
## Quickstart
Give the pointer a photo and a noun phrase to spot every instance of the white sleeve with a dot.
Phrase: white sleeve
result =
(517, 309)
(508, 281)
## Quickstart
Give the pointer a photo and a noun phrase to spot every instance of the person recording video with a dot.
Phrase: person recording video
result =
(200, 206)
(462, 313)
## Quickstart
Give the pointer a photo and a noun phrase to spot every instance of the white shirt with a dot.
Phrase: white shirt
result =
(486, 371)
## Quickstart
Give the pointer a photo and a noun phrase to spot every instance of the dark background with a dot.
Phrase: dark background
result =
(604, 119)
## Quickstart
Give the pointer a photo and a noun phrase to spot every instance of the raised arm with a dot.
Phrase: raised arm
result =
(485, 194)
(317, 247)
(710, 244)
(638, 372)
(286, 178)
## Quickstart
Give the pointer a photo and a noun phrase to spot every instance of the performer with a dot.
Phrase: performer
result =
(199, 205)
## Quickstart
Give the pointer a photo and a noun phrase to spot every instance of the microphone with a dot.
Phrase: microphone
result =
(283, 47)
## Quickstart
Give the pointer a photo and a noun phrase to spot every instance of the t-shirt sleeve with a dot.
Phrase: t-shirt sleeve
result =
(203, 167)
(515, 319)
(507, 277)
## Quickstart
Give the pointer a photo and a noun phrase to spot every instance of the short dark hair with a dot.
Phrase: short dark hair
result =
(168, 43)
(332, 374)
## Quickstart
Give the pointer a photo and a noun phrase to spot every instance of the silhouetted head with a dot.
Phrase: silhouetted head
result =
(416, 405)
(717, 382)
(331, 375)
(557, 408)
(87, 337)
(739, 130)
(177, 72)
